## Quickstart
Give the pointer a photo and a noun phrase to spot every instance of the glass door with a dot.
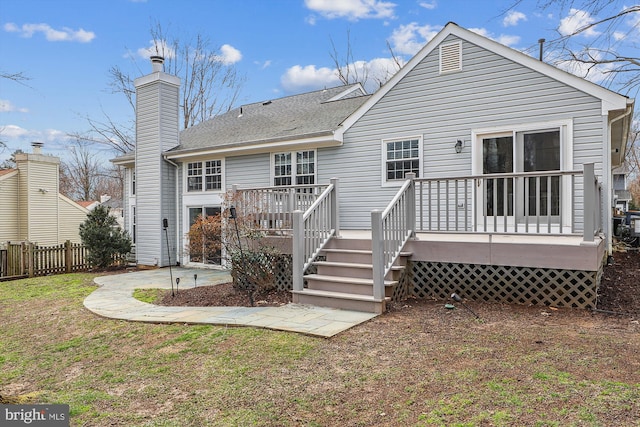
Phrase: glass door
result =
(205, 247)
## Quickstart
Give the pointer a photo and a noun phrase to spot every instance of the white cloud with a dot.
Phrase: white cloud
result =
(504, 39)
(409, 39)
(576, 20)
(303, 78)
(617, 35)
(513, 17)
(298, 78)
(162, 49)
(229, 55)
(429, 4)
(263, 65)
(13, 131)
(7, 107)
(65, 34)
(351, 9)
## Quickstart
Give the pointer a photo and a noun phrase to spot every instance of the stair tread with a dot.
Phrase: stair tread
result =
(341, 295)
(352, 280)
(348, 251)
(342, 264)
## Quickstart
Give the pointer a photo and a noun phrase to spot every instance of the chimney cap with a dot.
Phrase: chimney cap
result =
(156, 63)
(37, 147)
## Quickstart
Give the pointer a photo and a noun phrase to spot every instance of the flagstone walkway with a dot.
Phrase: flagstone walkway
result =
(114, 299)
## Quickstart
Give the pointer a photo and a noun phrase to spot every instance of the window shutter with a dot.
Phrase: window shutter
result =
(450, 57)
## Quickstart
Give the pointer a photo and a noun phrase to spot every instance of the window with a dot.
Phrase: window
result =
(133, 182)
(401, 157)
(297, 168)
(212, 176)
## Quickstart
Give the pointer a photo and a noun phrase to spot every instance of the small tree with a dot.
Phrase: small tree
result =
(104, 240)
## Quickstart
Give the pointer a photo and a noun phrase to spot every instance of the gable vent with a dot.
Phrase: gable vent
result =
(450, 57)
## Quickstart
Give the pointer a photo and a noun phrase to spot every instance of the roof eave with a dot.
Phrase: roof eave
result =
(316, 140)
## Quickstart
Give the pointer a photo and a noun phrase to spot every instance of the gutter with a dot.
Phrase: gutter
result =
(178, 207)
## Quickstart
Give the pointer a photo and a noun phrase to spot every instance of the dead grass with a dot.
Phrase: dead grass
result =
(417, 365)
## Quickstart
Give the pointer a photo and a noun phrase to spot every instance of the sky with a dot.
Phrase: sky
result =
(279, 47)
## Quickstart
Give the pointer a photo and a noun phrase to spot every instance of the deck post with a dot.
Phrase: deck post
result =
(377, 255)
(589, 203)
(335, 207)
(298, 250)
(411, 204)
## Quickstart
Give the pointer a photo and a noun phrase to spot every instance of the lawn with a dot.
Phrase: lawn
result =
(418, 364)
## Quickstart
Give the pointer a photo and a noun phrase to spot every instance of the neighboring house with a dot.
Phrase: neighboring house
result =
(512, 157)
(621, 194)
(114, 205)
(31, 208)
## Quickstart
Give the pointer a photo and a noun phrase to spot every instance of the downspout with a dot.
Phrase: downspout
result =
(178, 207)
(608, 226)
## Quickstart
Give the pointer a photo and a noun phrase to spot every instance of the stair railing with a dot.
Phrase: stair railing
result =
(390, 230)
(312, 230)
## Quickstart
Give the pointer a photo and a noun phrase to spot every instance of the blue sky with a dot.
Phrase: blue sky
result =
(281, 47)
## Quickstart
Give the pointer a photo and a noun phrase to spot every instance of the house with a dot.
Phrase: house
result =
(31, 208)
(621, 194)
(114, 205)
(476, 169)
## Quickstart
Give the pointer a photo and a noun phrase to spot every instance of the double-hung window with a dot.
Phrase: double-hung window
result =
(401, 156)
(294, 168)
(205, 176)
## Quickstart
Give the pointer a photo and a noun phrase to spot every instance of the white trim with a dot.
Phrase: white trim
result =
(263, 147)
(383, 159)
(342, 94)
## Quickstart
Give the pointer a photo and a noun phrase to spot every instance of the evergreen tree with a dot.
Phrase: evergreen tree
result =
(103, 239)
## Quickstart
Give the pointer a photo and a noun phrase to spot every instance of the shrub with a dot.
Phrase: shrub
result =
(103, 238)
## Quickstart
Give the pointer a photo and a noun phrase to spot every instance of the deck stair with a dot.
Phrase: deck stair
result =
(345, 279)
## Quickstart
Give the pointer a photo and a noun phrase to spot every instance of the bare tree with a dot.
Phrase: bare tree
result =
(209, 86)
(610, 49)
(82, 176)
(349, 70)
(346, 70)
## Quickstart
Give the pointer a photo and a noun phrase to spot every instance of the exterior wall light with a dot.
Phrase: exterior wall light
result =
(459, 146)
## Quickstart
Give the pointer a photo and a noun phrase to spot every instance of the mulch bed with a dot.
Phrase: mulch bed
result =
(619, 290)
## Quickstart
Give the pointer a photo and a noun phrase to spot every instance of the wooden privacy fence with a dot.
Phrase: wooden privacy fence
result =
(25, 259)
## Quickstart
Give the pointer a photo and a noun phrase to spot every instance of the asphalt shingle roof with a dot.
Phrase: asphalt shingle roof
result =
(308, 114)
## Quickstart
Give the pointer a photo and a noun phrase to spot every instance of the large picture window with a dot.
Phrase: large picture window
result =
(294, 168)
(204, 176)
(402, 156)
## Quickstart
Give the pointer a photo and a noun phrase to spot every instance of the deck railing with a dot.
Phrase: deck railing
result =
(270, 208)
(526, 202)
(312, 229)
(390, 230)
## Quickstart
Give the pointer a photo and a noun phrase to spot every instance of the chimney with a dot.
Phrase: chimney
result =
(156, 64)
(37, 147)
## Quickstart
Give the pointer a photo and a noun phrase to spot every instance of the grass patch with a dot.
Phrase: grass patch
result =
(149, 296)
(417, 367)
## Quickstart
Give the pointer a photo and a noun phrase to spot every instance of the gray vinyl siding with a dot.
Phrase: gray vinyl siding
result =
(156, 131)
(248, 171)
(72, 216)
(490, 91)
